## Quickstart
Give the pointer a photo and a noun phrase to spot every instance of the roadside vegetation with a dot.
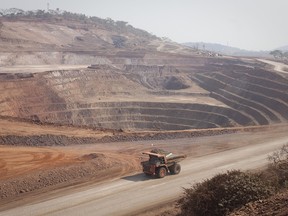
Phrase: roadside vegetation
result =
(227, 192)
(280, 55)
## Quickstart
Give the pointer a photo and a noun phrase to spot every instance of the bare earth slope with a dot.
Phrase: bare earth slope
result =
(127, 83)
(275, 205)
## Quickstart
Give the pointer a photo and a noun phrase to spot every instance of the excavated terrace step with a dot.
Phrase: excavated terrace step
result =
(268, 103)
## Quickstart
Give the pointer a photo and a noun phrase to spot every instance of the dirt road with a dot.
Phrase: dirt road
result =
(132, 194)
(38, 68)
(277, 65)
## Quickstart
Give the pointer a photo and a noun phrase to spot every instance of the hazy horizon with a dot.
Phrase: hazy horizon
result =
(250, 25)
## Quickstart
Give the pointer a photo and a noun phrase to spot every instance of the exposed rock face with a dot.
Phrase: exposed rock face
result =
(148, 97)
(129, 84)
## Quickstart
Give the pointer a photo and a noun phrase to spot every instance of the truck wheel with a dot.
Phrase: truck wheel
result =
(175, 169)
(161, 172)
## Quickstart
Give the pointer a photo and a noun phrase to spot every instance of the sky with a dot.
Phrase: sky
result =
(246, 24)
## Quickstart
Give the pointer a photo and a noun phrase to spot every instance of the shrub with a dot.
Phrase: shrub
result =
(278, 167)
(223, 193)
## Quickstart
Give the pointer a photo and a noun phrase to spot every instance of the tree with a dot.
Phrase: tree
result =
(278, 54)
(279, 166)
(285, 54)
(1, 26)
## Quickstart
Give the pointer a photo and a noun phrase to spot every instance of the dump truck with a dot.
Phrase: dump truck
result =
(162, 162)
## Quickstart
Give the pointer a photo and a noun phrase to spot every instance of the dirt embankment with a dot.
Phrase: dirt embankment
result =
(275, 205)
(41, 168)
(62, 140)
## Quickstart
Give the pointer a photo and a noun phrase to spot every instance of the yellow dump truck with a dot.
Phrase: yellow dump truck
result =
(162, 162)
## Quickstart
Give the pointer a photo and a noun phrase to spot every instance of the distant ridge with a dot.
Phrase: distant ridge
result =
(283, 48)
(57, 30)
(226, 50)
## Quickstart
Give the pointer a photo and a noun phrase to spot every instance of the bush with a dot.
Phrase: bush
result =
(278, 167)
(223, 193)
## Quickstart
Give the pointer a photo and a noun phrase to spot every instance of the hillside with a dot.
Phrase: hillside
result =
(226, 50)
(283, 48)
(109, 75)
(61, 31)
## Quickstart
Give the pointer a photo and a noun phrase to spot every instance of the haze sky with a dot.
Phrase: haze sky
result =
(246, 24)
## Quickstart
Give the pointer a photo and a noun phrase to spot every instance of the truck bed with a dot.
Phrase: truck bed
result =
(175, 158)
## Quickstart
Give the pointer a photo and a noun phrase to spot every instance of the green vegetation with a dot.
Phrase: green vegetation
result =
(226, 192)
(223, 193)
(278, 54)
(278, 167)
